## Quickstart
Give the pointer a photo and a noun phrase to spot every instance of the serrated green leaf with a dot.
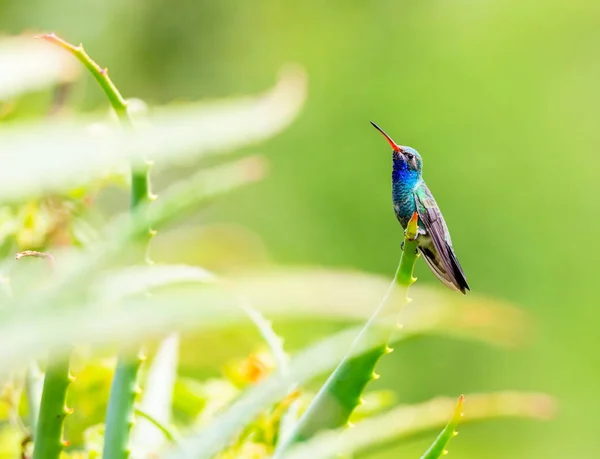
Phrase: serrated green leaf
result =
(405, 421)
(59, 323)
(59, 155)
(438, 447)
(343, 295)
(311, 362)
(77, 270)
(341, 394)
(124, 322)
(178, 309)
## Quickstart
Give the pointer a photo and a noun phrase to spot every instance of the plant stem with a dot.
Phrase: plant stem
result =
(341, 393)
(48, 435)
(123, 392)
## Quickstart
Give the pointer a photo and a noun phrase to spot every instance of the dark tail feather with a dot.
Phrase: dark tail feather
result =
(448, 271)
(459, 276)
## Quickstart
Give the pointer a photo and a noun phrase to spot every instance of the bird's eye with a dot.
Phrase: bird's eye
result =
(409, 156)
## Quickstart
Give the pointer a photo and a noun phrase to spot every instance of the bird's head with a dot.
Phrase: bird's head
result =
(405, 159)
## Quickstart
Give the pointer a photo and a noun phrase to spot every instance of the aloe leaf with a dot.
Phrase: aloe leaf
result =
(438, 447)
(340, 395)
(126, 322)
(118, 103)
(120, 412)
(81, 319)
(406, 421)
(156, 400)
(349, 295)
(53, 410)
(78, 268)
(29, 65)
(313, 361)
(57, 155)
(124, 390)
(179, 310)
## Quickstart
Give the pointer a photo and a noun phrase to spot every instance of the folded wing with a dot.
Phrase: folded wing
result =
(439, 254)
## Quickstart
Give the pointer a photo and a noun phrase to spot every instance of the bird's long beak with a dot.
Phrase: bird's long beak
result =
(394, 145)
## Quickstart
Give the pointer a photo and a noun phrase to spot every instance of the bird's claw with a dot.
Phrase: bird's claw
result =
(419, 231)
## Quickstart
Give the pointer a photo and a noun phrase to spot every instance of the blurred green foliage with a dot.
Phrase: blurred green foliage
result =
(500, 98)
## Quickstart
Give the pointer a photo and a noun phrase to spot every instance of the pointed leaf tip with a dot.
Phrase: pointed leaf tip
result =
(412, 227)
(438, 448)
(53, 38)
(459, 406)
(45, 36)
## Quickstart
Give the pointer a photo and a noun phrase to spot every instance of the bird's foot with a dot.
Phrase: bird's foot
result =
(419, 231)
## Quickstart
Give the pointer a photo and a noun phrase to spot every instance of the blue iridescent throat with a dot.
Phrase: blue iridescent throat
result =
(404, 180)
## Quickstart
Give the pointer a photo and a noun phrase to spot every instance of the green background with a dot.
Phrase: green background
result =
(500, 97)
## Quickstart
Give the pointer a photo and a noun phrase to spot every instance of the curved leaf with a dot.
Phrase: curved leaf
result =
(438, 448)
(156, 401)
(60, 154)
(340, 395)
(77, 270)
(83, 315)
(341, 295)
(317, 359)
(405, 421)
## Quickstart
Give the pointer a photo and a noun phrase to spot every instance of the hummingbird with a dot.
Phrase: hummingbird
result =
(410, 194)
